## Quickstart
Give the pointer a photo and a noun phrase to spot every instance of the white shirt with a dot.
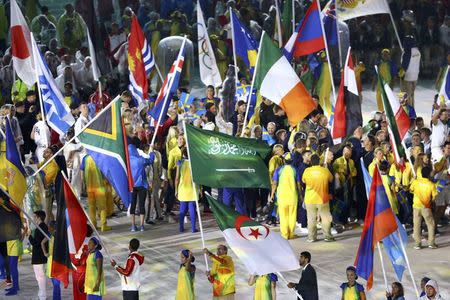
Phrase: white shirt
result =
(439, 134)
(80, 123)
(41, 134)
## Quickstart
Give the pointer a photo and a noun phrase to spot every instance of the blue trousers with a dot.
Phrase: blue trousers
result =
(93, 297)
(56, 289)
(2, 267)
(235, 195)
(13, 261)
(184, 206)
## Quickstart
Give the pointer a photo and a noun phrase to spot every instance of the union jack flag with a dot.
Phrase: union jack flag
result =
(169, 87)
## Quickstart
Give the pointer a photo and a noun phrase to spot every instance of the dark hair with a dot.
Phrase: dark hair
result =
(425, 279)
(19, 104)
(210, 87)
(52, 224)
(353, 269)
(134, 244)
(306, 255)
(40, 214)
(89, 230)
(315, 160)
(400, 287)
(384, 165)
(98, 246)
(126, 93)
(314, 113)
(426, 171)
(446, 144)
(30, 93)
(44, 9)
(315, 96)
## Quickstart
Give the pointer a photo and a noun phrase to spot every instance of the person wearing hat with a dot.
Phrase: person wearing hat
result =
(352, 290)
(286, 188)
(431, 291)
(222, 274)
(94, 284)
(317, 180)
(130, 275)
(387, 71)
(186, 276)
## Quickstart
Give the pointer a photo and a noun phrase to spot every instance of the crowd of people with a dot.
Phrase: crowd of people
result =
(315, 183)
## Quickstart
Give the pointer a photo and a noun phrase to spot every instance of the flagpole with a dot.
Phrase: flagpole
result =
(76, 135)
(337, 32)
(166, 98)
(234, 48)
(293, 290)
(158, 71)
(24, 212)
(408, 265)
(278, 19)
(100, 91)
(382, 267)
(328, 57)
(408, 157)
(395, 27)
(293, 16)
(87, 216)
(196, 201)
(41, 101)
(249, 97)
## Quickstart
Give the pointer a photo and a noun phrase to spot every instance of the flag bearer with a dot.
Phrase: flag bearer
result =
(221, 274)
(286, 185)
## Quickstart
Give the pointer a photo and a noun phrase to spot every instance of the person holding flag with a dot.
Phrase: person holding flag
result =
(222, 274)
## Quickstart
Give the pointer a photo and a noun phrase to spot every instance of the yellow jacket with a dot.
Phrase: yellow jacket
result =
(174, 156)
(340, 168)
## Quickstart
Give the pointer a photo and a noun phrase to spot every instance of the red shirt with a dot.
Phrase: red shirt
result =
(100, 103)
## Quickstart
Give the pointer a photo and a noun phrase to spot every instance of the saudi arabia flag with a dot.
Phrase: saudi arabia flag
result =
(219, 160)
(277, 81)
(261, 250)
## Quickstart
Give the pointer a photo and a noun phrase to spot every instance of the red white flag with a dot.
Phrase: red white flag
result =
(21, 46)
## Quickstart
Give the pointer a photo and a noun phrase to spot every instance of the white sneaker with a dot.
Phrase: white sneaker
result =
(300, 231)
(333, 231)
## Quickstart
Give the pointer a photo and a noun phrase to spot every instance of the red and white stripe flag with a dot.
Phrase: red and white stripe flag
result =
(21, 46)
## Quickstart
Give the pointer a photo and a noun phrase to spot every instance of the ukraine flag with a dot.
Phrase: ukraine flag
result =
(14, 180)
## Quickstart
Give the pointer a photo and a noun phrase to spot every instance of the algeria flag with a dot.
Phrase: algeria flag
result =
(277, 81)
(397, 118)
(261, 250)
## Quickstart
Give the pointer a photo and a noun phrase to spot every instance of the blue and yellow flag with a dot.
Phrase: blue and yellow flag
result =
(244, 44)
(185, 101)
(15, 177)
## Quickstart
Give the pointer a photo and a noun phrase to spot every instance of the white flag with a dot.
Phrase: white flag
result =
(94, 67)
(350, 9)
(209, 73)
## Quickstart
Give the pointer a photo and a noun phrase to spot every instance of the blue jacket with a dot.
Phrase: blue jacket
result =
(137, 166)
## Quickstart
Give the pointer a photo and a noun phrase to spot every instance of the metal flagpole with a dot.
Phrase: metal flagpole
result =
(76, 135)
(87, 216)
(408, 265)
(395, 27)
(328, 56)
(196, 201)
(337, 32)
(249, 97)
(382, 267)
(37, 78)
(25, 213)
(293, 290)
(278, 20)
(166, 98)
(234, 47)
(159, 72)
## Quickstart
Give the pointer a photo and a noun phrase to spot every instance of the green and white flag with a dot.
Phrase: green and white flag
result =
(219, 160)
(261, 250)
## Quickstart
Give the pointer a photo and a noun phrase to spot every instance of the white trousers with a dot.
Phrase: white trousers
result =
(39, 273)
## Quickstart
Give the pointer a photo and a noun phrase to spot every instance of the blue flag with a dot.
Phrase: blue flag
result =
(57, 112)
(185, 101)
(244, 44)
(267, 138)
(392, 243)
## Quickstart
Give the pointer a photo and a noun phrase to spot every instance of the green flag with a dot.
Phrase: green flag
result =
(219, 160)
(286, 19)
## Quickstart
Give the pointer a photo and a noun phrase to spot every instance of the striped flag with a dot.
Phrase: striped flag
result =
(169, 87)
(140, 62)
(57, 112)
(277, 81)
(185, 101)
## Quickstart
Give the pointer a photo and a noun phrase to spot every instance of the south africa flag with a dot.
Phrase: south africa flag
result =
(261, 250)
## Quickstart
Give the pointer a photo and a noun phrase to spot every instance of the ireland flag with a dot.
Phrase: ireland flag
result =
(219, 160)
(261, 250)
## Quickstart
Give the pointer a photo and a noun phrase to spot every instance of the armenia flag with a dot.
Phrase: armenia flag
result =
(219, 160)
(15, 179)
(262, 250)
(379, 223)
(106, 141)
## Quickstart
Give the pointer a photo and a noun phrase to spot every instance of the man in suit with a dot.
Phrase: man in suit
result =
(307, 286)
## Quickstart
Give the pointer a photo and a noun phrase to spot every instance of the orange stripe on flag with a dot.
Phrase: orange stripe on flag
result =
(297, 104)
